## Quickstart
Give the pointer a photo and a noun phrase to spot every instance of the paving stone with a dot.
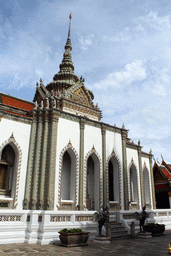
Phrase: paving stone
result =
(156, 246)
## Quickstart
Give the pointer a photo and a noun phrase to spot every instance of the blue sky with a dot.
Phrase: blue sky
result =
(121, 47)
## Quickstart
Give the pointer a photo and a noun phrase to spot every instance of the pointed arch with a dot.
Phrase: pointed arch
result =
(133, 178)
(113, 154)
(147, 186)
(18, 158)
(65, 149)
(91, 152)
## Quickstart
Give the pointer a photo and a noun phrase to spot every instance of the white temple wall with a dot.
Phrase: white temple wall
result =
(68, 131)
(92, 137)
(113, 141)
(21, 133)
(145, 162)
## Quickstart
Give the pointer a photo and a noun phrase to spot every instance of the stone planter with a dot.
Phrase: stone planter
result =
(74, 239)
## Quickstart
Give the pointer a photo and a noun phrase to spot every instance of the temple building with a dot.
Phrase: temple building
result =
(57, 155)
(162, 183)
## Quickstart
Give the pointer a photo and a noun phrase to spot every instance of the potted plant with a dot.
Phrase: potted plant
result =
(154, 228)
(73, 237)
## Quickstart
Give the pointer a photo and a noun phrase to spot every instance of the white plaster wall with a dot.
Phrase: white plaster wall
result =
(21, 133)
(114, 141)
(133, 154)
(67, 131)
(145, 160)
(92, 137)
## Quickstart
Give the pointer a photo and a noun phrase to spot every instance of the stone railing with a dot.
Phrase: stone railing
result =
(163, 216)
(42, 226)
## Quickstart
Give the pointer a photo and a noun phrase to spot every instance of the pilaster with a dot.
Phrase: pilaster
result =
(152, 181)
(37, 161)
(52, 159)
(125, 174)
(81, 166)
(105, 199)
(30, 161)
(141, 177)
(44, 160)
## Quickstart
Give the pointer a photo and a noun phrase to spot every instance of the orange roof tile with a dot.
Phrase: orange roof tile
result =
(15, 102)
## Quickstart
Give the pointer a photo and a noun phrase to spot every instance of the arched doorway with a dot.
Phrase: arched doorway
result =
(68, 180)
(146, 188)
(93, 179)
(133, 188)
(7, 167)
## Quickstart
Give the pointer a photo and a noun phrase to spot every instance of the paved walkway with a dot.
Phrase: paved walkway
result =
(155, 246)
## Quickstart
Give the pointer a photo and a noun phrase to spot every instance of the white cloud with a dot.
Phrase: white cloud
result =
(86, 42)
(134, 71)
(122, 36)
(154, 21)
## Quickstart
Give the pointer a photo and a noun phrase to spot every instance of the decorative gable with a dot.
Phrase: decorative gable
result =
(81, 97)
(159, 176)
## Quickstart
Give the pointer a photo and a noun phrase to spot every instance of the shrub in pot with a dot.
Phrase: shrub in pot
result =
(154, 228)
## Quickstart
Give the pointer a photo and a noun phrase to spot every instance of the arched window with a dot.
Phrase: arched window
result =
(93, 178)
(133, 184)
(146, 187)
(7, 166)
(113, 180)
(68, 176)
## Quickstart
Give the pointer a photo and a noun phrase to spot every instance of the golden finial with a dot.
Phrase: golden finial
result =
(69, 31)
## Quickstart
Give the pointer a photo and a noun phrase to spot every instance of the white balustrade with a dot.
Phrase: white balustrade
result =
(42, 227)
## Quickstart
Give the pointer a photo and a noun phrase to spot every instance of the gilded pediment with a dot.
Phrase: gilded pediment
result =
(80, 96)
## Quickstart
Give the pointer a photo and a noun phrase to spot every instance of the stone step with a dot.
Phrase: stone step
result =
(119, 232)
(118, 229)
(120, 236)
(116, 225)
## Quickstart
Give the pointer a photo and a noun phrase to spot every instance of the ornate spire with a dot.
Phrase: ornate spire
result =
(69, 30)
(68, 46)
(66, 76)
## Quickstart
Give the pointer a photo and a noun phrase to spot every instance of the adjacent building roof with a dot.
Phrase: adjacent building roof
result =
(14, 105)
(162, 176)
